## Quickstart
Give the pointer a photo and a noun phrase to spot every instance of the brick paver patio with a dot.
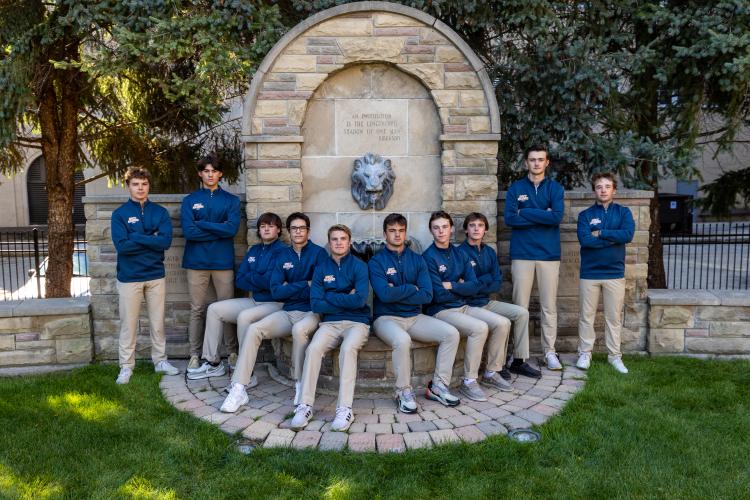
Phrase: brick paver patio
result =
(378, 425)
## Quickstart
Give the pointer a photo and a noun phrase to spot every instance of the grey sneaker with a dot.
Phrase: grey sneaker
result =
(302, 416)
(584, 361)
(498, 382)
(236, 398)
(194, 364)
(618, 365)
(437, 391)
(407, 403)
(207, 370)
(124, 376)
(166, 367)
(553, 362)
(472, 391)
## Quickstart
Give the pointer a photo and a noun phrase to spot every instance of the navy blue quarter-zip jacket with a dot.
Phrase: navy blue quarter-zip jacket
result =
(254, 274)
(210, 220)
(332, 284)
(534, 213)
(449, 264)
(487, 269)
(603, 257)
(141, 234)
(401, 283)
(291, 273)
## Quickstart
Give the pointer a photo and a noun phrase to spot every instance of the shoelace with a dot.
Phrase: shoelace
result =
(343, 413)
(407, 395)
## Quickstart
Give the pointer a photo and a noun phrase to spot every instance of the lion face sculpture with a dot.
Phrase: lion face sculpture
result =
(372, 181)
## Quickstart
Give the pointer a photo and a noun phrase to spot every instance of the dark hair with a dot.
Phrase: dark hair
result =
(137, 173)
(537, 148)
(212, 160)
(476, 216)
(297, 215)
(440, 214)
(339, 227)
(394, 219)
(268, 218)
(603, 175)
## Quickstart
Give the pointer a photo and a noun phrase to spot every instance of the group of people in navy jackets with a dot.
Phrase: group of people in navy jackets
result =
(320, 298)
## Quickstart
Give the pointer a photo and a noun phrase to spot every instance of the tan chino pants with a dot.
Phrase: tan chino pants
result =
(198, 283)
(130, 297)
(547, 277)
(613, 291)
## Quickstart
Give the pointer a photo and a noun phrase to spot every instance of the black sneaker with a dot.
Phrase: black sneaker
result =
(520, 367)
(505, 373)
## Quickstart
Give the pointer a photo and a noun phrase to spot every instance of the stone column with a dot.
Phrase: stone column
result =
(635, 321)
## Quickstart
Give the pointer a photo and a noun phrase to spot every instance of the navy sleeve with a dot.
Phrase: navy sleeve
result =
(386, 293)
(625, 233)
(359, 297)
(228, 228)
(469, 287)
(585, 238)
(161, 239)
(490, 282)
(242, 277)
(510, 214)
(439, 294)
(551, 217)
(189, 229)
(123, 244)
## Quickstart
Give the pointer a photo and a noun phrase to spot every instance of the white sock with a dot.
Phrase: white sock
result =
(469, 380)
(488, 373)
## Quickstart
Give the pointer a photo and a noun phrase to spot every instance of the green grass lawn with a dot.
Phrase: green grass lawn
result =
(670, 428)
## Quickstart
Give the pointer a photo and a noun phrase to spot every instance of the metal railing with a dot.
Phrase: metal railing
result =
(23, 262)
(715, 256)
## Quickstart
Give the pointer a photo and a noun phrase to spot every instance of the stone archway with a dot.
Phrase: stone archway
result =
(368, 34)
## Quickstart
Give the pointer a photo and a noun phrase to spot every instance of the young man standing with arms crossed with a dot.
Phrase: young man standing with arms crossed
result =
(210, 219)
(534, 209)
(453, 282)
(290, 284)
(339, 292)
(490, 277)
(603, 231)
(141, 232)
(401, 284)
(254, 275)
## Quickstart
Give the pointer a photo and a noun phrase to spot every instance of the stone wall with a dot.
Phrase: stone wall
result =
(699, 323)
(451, 138)
(634, 333)
(45, 332)
(103, 270)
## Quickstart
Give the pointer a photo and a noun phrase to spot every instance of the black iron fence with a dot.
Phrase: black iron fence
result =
(23, 262)
(714, 256)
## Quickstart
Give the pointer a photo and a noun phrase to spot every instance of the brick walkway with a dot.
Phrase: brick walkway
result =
(378, 426)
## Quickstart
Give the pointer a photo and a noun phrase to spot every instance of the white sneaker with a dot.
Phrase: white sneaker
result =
(584, 361)
(407, 403)
(553, 363)
(302, 416)
(195, 363)
(297, 392)
(343, 420)
(236, 398)
(618, 365)
(166, 367)
(124, 376)
(207, 370)
(232, 360)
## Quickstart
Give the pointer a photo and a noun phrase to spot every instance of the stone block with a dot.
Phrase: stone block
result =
(718, 345)
(443, 436)
(15, 324)
(476, 187)
(74, 350)
(386, 20)
(104, 306)
(429, 36)
(362, 441)
(269, 193)
(343, 27)
(722, 313)
(472, 98)
(671, 317)
(666, 340)
(449, 55)
(279, 438)
(310, 81)
(417, 440)
(306, 439)
(476, 149)
(279, 176)
(71, 327)
(319, 139)
(270, 108)
(387, 48)
(390, 443)
(296, 112)
(335, 441)
(446, 98)
(7, 342)
(479, 124)
(279, 151)
(432, 75)
(27, 357)
(295, 64)
(424, 128)
(462, 80)
(730, 329)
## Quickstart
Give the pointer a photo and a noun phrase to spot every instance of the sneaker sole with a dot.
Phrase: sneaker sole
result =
(430, 395)
(406, 410)
(202, 375)
(498, 387)
(224, 410)
(472, 397)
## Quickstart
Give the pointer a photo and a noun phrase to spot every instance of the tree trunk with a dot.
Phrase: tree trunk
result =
(656, 276)
(58, 118)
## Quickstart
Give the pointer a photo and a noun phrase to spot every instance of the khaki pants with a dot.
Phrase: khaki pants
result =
(547, 276)
(520, 318)
(476, 323)
(299, 324)
(614, 297)
(352, 336)
(397, 332)
(242, 311)
(198, 283)
(131, 295)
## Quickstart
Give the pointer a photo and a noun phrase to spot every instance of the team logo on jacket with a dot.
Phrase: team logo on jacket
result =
(595, 221)
(287, 266)
(197, 206)
(473, 263)
(442, 268)
(250, 259)
(133, 220)
(523, 197)
(390, 271)
(329, 278)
